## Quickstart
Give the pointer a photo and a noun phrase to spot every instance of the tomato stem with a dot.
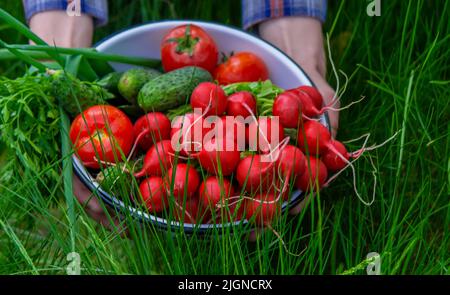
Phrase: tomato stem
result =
(187, 43)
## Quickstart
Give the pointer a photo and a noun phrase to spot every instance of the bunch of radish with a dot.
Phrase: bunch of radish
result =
(250, 165)
(223, 162)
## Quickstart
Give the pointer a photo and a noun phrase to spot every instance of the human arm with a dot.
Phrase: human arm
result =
(50, 20)
(295, 27)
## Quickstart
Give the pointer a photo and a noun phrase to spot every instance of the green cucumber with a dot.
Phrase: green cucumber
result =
(132, 81)
(172, 89)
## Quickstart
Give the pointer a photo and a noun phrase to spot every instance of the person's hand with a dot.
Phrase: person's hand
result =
(57, 28)
(302, 39)
(92, 205)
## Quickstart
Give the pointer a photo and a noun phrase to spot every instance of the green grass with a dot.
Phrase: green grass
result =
(399, 61)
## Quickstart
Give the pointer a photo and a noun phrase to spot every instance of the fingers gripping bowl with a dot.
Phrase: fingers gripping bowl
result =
(145, 41)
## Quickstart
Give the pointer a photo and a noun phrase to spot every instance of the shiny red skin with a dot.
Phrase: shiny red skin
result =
(288, 108)
(158, 159)
(291, 162)
(236, 103)
(185, 181)
(232, 128)
(192, 206)
(158, 127)
(215, 152)
(263, 213)
(332, 161)
(181, 132)
(102, 132)
(315, 174)
(254, 175)
(316, 138)
(213, 190)
(204, 53)
(313, 94)
(154, 194)
(308, 108)
(241, 67)
(210, 95)
(264, 127)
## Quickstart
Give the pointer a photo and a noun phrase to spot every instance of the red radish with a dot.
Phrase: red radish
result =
(318, 140)
(265, 133)
(188, 212)
(158, 159)
(314, 138)
(229, 126)
(184, 180)
(236, 104)
(215, 152)
(157, 126)
(333, 162)
(210, 98)
(154, 194)
(307, 106)
(315, 175)
(234, 129)
(312, 102)
(291, 161)
(188, 132)
(288, 108)
(213, 190)
(337, 157)
(253, 174)
(234, 212)
(313, 94)
(263, 209)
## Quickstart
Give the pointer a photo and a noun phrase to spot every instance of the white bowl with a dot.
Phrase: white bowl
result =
(145, 41)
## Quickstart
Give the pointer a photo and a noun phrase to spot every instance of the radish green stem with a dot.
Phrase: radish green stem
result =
(24, 30)
(24, 57)
(90, 53)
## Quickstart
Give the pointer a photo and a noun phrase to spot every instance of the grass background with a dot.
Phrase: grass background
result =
(399, 61)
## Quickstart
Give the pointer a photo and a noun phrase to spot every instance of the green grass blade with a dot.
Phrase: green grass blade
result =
(66, 150)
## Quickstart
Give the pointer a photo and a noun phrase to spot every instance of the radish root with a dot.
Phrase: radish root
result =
(185, 212)
(269, 226)
(356, 155)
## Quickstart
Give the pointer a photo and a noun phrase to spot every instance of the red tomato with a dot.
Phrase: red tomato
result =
(188, 45)
(101, 133)
(157, 126)
(241, 67)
